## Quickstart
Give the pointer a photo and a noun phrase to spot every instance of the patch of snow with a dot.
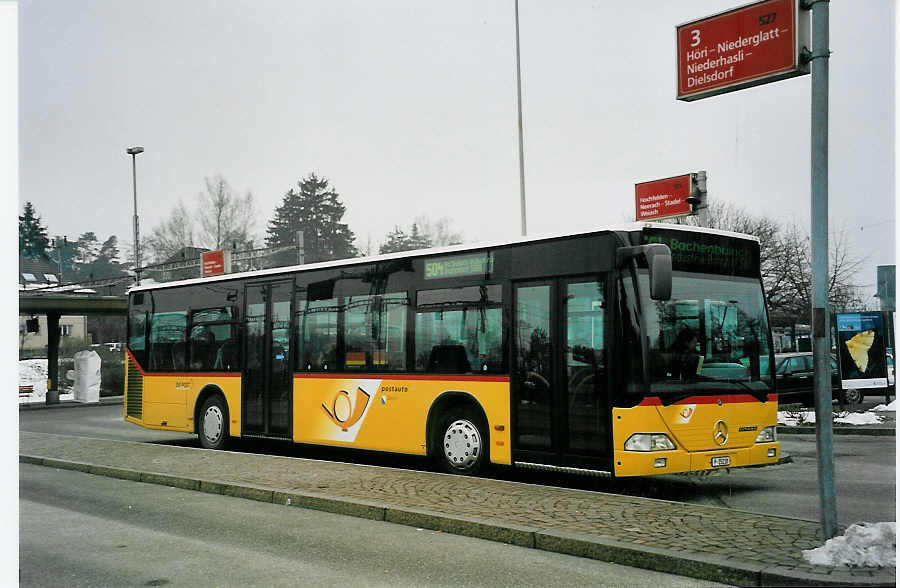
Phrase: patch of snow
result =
(858, 418)
(33, 372)
(892, 407)
(792, 418)
(869, 545)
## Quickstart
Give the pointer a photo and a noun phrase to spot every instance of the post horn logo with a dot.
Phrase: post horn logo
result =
(346, 410)
(720, 433)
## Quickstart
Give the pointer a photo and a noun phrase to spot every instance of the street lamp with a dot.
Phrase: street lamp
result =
(132, 151)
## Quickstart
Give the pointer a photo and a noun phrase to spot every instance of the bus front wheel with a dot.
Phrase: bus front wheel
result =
(460, 442)
(213, 429)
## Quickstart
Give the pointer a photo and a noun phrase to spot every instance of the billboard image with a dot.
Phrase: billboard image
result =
(860, 345)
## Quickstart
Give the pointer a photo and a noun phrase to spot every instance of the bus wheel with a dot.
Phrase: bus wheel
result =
(854, 396)
(461, 444)
(213, 424)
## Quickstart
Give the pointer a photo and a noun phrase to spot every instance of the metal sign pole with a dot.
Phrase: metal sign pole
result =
(819, 232)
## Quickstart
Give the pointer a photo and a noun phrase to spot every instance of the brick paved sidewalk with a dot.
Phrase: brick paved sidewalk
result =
(697, 541)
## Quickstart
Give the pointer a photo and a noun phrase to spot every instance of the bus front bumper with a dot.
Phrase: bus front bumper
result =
(679, 461)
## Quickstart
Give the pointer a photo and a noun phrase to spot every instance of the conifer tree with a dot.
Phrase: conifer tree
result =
(317, 210)
(33, 241)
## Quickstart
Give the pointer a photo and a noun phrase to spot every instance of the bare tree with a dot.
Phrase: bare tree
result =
(439, 233)
(785, 261)
(170, 236)
(795, 256)
(225, 217)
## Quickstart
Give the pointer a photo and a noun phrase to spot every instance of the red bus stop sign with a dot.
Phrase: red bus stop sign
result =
(743, 47)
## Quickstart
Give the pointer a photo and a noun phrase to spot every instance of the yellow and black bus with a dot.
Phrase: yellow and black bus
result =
(631, 351)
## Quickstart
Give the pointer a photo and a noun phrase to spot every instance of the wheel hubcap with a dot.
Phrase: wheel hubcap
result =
(462, 444)
(213, 424)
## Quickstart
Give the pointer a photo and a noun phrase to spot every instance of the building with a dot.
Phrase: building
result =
(39, 273)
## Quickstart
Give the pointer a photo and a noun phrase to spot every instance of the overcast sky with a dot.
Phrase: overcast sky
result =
(409, 108)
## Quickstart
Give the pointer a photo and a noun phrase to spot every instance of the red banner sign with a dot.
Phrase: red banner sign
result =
(213, 263)
(662, 198)
(740, 48)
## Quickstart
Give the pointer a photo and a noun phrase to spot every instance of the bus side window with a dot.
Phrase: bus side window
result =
(167, 341)
(453, 320)
(317, 334)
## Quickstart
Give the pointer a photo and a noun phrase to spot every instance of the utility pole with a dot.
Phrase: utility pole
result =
(521, 147)
(819, 232)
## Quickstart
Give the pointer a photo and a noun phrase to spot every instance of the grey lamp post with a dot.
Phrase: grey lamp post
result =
(132, 151)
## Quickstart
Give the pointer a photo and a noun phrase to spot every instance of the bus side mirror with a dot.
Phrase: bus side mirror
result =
(659, 263)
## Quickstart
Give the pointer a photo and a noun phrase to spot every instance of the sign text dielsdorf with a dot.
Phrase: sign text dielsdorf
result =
(740, 48)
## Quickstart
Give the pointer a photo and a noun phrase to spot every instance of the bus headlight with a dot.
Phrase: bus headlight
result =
(767, 435)
(649, 442)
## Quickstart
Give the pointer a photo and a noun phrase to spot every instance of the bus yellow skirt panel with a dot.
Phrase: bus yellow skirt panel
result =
(391, 413)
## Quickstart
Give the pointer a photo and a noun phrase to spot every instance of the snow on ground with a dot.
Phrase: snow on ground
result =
(793, 418)
(892, 407)
(870, 545)
(33, 372)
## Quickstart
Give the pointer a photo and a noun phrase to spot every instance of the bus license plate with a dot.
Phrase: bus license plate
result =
(718, 462)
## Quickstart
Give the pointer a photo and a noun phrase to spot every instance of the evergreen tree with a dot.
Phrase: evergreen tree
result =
(88, 248)
(399, 240)
(317, 210)
(396, 241)
(33, 241)
(109, 251)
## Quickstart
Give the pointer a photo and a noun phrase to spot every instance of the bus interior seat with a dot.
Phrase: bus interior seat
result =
(449, 359)
(179, 353)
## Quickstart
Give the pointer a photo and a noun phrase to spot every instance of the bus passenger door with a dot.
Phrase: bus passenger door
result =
(267, 385)
(559, 390)
(533, 389)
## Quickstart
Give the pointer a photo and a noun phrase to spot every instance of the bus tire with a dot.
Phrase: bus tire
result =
(854, 395)
(460, 442)
(213, 429)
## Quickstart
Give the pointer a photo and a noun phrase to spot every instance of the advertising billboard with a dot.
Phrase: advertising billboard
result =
(860, 347)
(740, 48)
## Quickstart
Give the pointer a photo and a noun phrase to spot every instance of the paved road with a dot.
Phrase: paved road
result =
(82, 530)
(865, 469)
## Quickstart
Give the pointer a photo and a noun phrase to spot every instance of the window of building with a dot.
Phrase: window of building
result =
(29, 277)
(51, 278)
(65, 330)
(459, 330)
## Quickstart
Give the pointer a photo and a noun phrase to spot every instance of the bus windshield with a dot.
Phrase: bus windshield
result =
(710, 337)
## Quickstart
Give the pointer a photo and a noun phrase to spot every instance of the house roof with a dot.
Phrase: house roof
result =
(37, 271)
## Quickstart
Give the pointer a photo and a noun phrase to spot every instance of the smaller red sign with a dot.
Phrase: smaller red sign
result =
(662, 198)
(213, 263)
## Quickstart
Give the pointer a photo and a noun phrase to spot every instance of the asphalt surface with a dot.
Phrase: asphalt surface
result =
(702, 542)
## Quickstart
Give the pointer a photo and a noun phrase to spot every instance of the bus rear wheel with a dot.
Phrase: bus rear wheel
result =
(460, 442)
(213, 430)
(854, 396)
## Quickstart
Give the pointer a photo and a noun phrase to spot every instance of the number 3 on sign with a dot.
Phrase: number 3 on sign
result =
(695, 38)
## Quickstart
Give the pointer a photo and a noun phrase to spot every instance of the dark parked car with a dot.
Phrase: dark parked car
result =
(794, 378)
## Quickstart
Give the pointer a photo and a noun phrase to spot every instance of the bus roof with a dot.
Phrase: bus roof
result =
(625, 227)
